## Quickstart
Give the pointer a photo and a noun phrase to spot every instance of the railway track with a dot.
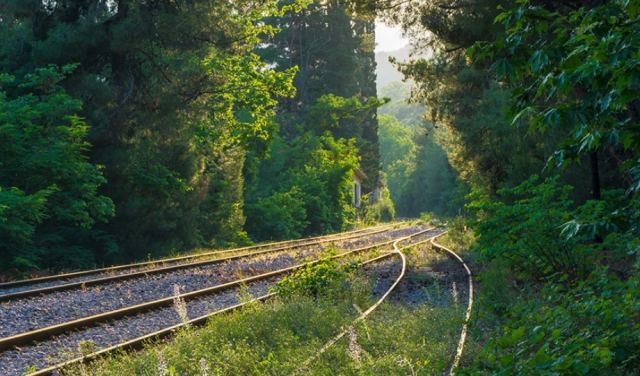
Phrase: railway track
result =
(305, 367)
(145, 320)
(467, 314)
(31, 287)
(56, 307)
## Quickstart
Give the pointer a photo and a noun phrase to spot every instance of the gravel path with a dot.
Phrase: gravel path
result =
(384, 273)
(14, 362)
(31, 313)
(418, 238)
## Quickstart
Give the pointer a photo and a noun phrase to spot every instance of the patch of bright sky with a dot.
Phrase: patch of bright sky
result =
(389, 38)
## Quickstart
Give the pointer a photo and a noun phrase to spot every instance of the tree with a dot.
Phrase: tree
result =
(332, 47)
(49, 200)
(305, 188)
(171, 89)
(417, 168)
(581, 82)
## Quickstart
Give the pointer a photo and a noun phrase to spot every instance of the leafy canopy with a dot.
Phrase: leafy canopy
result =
(49, 200)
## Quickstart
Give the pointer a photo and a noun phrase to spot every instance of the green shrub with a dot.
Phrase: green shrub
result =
(524, 227)
(315, 280)
(427, 217)
(281, 216)
(381, 210)
(590, 329)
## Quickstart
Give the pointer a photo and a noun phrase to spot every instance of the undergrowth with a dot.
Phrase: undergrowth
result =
(557, 290)
(277, 336)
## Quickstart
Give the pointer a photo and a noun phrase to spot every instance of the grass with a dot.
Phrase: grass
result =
(277, 336)
(397, 340)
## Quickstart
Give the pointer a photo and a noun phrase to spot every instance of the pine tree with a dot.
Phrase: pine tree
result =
(170, 89)
(333, 49)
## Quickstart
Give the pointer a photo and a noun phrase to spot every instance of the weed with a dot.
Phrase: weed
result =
(180, 305)
(86, 347)
(355, 351)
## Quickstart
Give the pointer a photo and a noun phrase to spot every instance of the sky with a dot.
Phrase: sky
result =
(389, 38)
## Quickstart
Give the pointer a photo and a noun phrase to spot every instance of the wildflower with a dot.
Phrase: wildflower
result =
(204, 367)
(355, 351)
(455, 294)
(163, 370)
(180, 305)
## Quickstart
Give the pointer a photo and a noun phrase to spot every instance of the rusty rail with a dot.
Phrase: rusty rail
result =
(139, 342)
(23, 282)
(165, 269)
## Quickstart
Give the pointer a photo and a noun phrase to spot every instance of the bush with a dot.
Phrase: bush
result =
(314, 280)
(591, 329)
(381, 210)
(281, 216)
(525, 228)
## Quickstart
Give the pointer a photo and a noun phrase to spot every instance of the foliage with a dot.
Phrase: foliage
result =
(313, 174)
(524, 227)
(315, 280)
(551, 298)
(175, 98)
(589, 329)
(380, 210)
(49, 200)
(574, 69)
(546, 79)
(398, 154)
(181, 98)
(417, 169)
(333, 49)
(399, 107)
(343, 117)
(280, 216)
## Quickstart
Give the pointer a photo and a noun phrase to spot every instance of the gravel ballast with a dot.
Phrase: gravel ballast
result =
(103, 298)
(32, 313)
(140, 268)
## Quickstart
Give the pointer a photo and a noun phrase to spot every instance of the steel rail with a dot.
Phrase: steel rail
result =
(365, 314)
(139, 342)
(63, 276)
(165, 269)
(47, 332)
(467, 315)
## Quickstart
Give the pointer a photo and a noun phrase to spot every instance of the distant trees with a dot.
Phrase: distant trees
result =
(328, 129)
(417, 169)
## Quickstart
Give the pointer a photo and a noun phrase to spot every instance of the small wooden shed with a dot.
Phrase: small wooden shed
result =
(358, 179)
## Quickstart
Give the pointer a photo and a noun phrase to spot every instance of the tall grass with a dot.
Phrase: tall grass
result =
(277, 336)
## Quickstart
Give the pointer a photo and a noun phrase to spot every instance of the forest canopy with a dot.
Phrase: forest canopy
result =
(134, 129)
